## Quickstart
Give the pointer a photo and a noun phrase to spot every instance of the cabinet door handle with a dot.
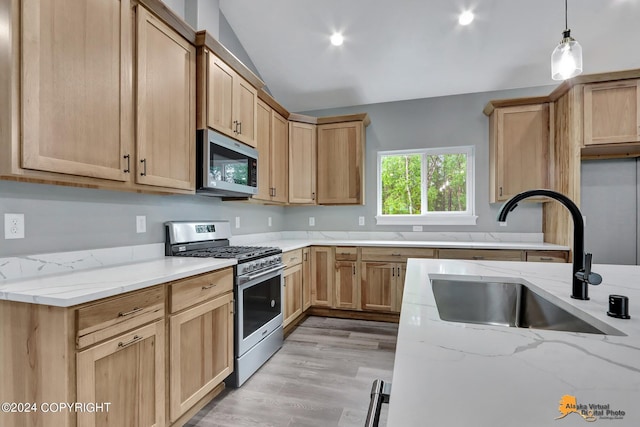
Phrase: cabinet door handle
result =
(144, 167)
(129, 313)
(398, 271)
(478, 257)
(546, 258)
(313, 196)
(235, 126)
(240, 131)
(396, 254)
(128, 168)
(204, 288)
(354, 270)
(135, 338)
(500, 191)
(393, 272)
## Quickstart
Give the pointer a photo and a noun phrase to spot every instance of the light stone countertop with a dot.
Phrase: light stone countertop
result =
(460, 374)
(77, 287)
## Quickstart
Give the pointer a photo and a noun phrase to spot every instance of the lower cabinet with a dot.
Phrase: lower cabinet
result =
(128, 372)
(381, 286)
(293, 280)
(306, 278)
(482, 254)
(201, 352)
(322, 275)
(346, 285)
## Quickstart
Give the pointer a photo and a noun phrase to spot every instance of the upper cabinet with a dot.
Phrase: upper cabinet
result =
(519, 145)
(612, 112)
(229, 103)
(166, 89)
(341, 154)
(302, 163)
(115, 110)
(76, 91)
(272, 144)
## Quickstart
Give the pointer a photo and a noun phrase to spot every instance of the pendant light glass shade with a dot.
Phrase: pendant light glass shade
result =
(566, 59)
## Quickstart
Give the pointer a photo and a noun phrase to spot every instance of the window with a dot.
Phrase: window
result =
(426, 186)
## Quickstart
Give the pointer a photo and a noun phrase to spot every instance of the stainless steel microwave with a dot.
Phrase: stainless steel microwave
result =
(225, 167)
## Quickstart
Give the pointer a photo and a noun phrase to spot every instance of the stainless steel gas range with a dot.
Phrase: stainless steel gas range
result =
(257, 289)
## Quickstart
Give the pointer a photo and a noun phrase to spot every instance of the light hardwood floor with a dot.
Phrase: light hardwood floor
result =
(321, 377)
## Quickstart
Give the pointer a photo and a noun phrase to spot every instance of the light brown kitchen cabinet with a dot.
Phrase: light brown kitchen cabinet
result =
(519, 145)
(127, 371)
(77, 92)
(341, 152)
(292, 293)
(612, 112)
(347, 278)
(201, 351)
(302, 163)
(306, 278)
(322, 276)
(379, 285)
(166, 89)
(482, 254)
(547, 256)
(272, 143)
(231, 102)
(116, 110)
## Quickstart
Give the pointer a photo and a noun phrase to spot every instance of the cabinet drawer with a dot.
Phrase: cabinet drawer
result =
(105, 319)
(344, 253)
(292, 258)
(191, 291)
(396, 254)
(547, 256)
(481, 254)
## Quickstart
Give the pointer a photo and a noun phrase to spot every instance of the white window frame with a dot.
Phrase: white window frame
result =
(467, 217)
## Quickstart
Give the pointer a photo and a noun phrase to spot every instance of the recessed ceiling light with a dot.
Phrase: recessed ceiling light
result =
(465, 17)
(337, 39)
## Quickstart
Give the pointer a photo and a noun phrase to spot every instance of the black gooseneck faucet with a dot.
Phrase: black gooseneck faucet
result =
(582, 274)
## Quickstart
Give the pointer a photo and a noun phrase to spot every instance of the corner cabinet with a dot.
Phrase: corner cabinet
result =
(341, 155)
(302, 163)
(519, 146)
(229, 103)
(612, 112)
(166, 89)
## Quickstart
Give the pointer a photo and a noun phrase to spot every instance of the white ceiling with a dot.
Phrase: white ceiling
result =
(407, 49)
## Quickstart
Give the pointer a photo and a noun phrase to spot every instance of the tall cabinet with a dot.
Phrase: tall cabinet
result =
(272, 144)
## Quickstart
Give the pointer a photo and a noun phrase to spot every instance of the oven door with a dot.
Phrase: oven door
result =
(259, 309)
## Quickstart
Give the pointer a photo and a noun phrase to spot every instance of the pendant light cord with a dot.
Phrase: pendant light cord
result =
(566, 22)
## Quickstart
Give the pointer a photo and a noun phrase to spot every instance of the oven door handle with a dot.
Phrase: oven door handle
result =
(244, 279)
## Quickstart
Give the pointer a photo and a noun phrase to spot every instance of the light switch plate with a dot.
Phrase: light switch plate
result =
(237, 222)
(141, 224)
(360, 220)
(417, 228)
(312, 221)
(269, 222)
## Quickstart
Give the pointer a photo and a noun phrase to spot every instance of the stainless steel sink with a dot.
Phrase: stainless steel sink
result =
(514, 303)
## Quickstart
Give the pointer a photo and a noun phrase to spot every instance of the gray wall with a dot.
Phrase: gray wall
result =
(434, 122)
(609, 200)
(59, 219)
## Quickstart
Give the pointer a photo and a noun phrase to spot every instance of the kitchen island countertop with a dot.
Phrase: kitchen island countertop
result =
(461, 374)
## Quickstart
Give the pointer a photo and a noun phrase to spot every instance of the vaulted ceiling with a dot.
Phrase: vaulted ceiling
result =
(407, 49)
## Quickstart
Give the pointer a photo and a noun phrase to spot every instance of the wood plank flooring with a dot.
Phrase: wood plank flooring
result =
(321, 377)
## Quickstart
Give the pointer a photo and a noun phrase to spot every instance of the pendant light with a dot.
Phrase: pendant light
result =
(566, 59)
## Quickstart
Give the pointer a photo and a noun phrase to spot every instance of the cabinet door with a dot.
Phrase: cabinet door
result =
(399, 288)
(341, 163)
(263, 144)
(77, 96)
(346, 285)
(166, 123)
(482, 254)
(302, 163)
(519, 150)
(246, 97)
(378, 285)
(306, 278)
(612, 112)
(128, 372)
(220, 108)
(201, 352)
(292, 293)
(279, 158)
(322, 275)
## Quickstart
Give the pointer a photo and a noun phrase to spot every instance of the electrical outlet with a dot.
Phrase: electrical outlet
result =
(13, 226)
(269, 222)
(312, 221)
(141, 224)
(237, 222)
(417, 228)
(360, 220)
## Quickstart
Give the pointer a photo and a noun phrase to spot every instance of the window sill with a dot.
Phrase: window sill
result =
(426, 220)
